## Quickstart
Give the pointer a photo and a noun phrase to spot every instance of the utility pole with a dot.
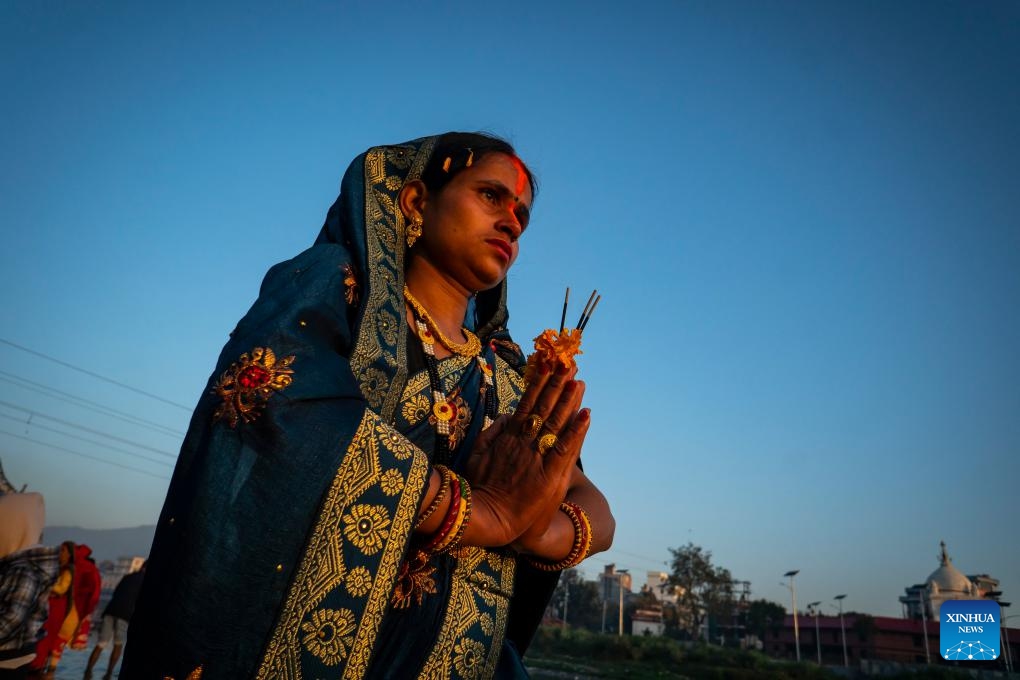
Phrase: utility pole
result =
(619, 582)
(846, 659)
(818, 641)
(566, 599)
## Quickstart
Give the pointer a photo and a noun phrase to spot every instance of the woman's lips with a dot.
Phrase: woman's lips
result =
(502, 246)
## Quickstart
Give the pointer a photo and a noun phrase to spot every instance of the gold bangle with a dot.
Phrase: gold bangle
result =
(444, 485)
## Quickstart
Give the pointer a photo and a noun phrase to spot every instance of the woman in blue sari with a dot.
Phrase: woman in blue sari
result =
(369, 487)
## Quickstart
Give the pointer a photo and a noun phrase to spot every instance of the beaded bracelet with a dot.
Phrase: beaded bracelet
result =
(444, 485)
(582, 540)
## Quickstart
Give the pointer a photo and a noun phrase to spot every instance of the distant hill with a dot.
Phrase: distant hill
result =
(106, 544)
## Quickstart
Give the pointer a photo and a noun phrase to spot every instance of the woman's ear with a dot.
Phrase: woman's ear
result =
(412, 199)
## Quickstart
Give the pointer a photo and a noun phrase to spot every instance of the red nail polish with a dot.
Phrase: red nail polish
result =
(584, 415)
(562, 370)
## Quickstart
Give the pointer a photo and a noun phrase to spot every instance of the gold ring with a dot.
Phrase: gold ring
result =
(546, 442)
(532, 424)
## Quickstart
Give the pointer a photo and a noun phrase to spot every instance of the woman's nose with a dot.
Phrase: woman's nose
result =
(510, 225)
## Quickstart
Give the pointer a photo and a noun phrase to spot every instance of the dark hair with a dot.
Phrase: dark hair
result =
(458, 147)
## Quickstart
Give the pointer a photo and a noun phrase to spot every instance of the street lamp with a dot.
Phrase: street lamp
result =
(842, 628)
(1004, 635)
(793, 594)
(1005, 631)
(818, 642)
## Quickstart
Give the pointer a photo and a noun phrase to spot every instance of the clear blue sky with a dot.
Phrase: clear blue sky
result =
(804, 219)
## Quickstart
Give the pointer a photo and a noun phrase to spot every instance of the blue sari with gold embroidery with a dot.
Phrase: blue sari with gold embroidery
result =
(291, 507)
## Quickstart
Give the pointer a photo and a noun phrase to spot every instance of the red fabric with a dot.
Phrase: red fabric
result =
(88, 584)
(51, 643)
(86, 588)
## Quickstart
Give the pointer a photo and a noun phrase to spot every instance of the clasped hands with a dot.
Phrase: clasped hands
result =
(521, 467)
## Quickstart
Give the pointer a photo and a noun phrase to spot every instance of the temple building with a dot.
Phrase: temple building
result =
(924, 600)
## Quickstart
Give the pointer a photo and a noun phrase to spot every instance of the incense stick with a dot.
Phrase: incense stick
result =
(584, 312)
(563, 317)
(590, 312)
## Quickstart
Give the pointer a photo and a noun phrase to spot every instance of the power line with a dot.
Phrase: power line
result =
(86, 440)
(94, 375)
(84, 455)
(81, 402)
(37, 414)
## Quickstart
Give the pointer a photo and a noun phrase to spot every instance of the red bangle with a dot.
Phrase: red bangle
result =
(449, 519)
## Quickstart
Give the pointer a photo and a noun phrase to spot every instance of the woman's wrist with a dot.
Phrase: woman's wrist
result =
(566, 547)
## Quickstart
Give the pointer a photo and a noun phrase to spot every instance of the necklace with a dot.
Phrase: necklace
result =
(471, 348)
(444, 412)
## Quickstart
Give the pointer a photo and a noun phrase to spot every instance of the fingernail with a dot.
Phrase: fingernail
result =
(570, 386)
(584, 415)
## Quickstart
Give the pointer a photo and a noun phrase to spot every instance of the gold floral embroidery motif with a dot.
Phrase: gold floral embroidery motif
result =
(367, 527)
(394, 442)
(359, 582)
(469, 658)
(329, 636)
(193, 675)
(485, 621)
(249, 382)
(416, 408)
(391, 482)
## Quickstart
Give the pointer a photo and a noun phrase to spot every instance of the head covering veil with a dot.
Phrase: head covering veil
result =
(367, 219)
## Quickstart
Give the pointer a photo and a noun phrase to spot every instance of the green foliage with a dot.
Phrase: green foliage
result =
(702, 589)
(584, 607)
(764, 616)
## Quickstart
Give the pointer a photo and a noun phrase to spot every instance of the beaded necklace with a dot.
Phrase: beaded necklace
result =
(444, 411)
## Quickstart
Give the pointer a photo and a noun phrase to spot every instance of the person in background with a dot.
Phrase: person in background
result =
(73, 598)
(27, 572)
(116, 617)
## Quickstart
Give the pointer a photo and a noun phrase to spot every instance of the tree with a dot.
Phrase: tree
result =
(703, 590)
(764, 616)
(584, 606)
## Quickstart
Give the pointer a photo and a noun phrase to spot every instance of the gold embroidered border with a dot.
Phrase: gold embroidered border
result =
(379, 361)
(509, 386)
(322, 570)
(475, 594)
(447, 367)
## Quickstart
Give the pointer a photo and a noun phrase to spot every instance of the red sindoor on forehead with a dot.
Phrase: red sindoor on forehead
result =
(522, 177)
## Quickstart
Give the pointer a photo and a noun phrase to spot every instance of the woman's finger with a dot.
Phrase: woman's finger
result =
(566, 408)
(561, 457)
(530, 397)
(552, 391)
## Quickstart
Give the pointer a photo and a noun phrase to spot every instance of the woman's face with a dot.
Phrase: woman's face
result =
(471, 228)
(65, 555)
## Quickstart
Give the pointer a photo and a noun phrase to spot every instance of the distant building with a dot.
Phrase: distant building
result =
(924, 600)
(611, 581)
(647, 622)
(659, 586)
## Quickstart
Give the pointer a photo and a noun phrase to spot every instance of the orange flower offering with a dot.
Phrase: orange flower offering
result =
(555, 349)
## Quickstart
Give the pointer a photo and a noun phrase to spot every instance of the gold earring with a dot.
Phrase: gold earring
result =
(413, 230)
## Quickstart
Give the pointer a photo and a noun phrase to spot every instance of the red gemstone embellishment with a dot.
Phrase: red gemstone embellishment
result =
(253, 377)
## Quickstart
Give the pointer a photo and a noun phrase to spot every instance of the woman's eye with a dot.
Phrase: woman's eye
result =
(490, 195)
